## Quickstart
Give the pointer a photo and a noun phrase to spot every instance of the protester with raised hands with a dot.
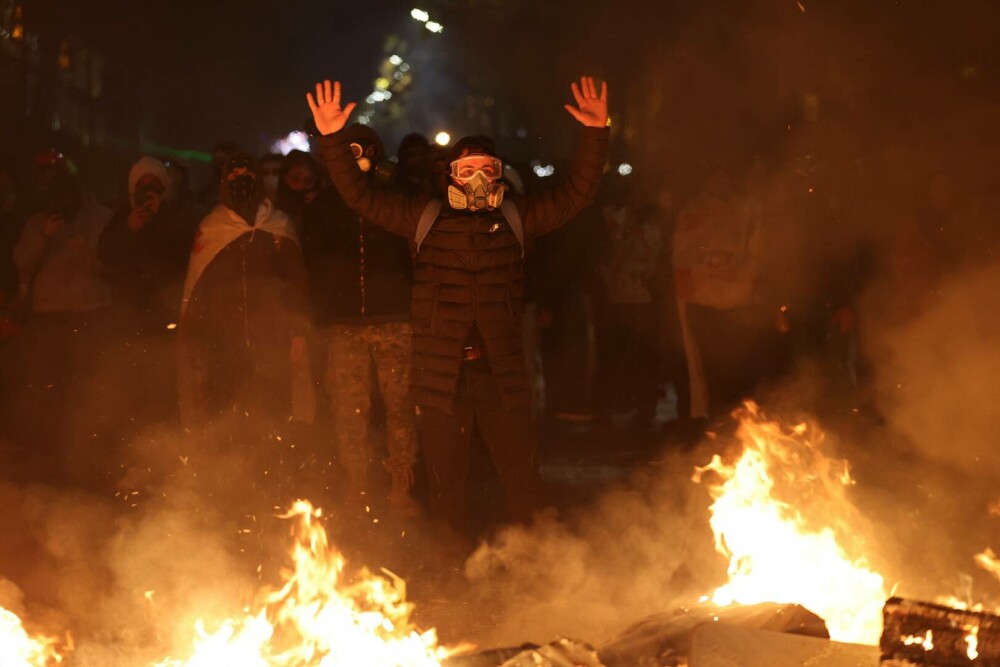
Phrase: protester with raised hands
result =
(469, 244)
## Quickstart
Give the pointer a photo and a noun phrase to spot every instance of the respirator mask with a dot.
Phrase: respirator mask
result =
(476, 183)
(243, 192)
(363, 156)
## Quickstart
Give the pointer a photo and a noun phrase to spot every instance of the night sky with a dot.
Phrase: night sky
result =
(197, 72)
(189, 74)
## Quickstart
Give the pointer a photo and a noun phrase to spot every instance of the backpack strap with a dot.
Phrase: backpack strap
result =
(427, 219)
(513, 218)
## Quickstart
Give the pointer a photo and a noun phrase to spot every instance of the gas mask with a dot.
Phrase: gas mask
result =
(476, 183)
(149, 194)
(241, 190)
(364, 155)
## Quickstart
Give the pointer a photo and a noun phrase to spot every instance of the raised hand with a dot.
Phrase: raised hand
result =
(591, 109)
(326, 109)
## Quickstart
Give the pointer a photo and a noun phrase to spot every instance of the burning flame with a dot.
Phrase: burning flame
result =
(972, 642)
(989, 562)
(775, 553)
(316, 619)
(19, 649)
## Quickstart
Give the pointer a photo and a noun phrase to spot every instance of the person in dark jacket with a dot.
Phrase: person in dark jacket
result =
(360, 277)
(468, 366)
(145, 248)
(298, 184)
(244, 311)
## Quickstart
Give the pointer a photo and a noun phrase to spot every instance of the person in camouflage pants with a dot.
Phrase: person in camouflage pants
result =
(360, 277)
(360, 360)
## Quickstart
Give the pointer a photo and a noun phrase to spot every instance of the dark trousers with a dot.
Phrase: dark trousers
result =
(509, 437)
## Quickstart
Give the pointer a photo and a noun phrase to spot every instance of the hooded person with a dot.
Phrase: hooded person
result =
(298, 184)
(361, 278)
(469, 242)
(243, 312)
(146, 247)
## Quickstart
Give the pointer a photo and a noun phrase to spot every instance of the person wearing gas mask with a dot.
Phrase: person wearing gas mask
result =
(468, 366)
(243, 320)
(361, 277)
(298, 184)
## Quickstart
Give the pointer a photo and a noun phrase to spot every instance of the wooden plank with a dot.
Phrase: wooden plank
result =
(923, 633)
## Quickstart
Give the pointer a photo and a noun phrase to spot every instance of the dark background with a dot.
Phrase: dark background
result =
(854, 82)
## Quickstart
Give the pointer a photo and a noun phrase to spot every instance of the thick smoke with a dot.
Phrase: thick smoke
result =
(871, 150)
(873, 128)
(640, 549)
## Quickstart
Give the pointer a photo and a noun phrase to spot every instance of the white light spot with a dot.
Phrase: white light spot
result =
(295, 141)
(395, 60)
(442, 139)
(624, 169)
(542, 170)
(420, 15)
(434, 26)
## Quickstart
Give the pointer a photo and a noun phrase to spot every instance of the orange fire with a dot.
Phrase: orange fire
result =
(317, 619)
(776, 515)
(988, 561)
(19, 649)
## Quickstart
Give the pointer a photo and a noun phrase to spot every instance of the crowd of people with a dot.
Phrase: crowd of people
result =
(437, 294)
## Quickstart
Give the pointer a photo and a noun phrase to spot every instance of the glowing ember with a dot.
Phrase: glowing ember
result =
(19, 649)
(775, 553)
(319, 620)
(925, 641)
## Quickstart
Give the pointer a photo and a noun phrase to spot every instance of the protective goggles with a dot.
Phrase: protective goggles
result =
(464, 168)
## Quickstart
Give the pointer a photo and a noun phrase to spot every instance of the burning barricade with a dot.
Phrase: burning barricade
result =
(798, 577)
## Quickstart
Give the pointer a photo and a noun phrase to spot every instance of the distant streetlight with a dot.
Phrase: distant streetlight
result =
(442, 139)
(293, 141)
(542, 170)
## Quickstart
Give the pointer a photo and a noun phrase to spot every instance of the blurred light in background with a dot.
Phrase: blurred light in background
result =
(442, 139)
(542, 170)
(624, 169)
(434, 26)
(420, 15)
(295, 141)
